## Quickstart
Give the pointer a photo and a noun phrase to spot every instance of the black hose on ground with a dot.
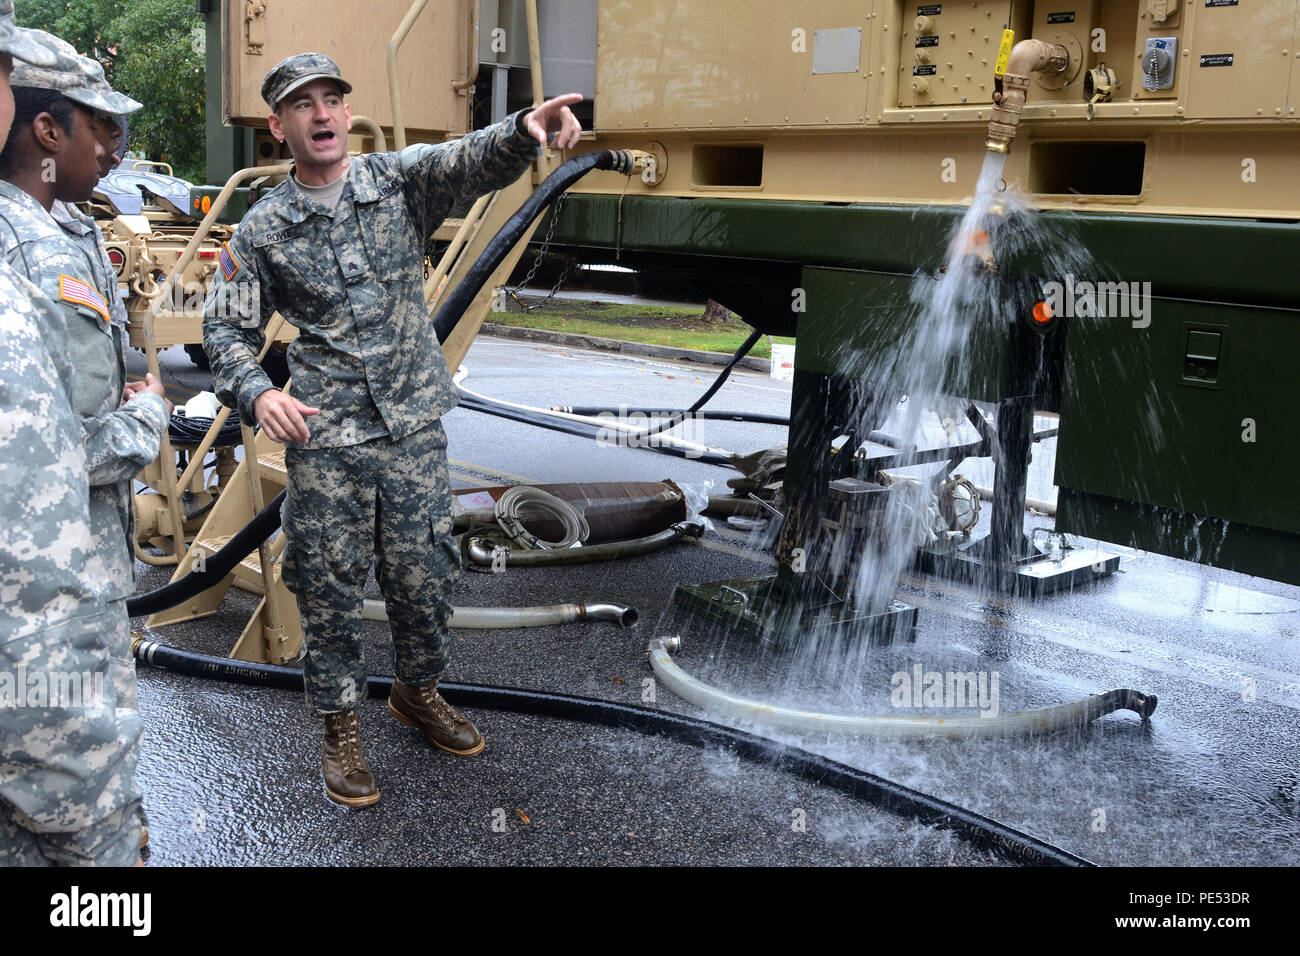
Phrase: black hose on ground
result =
(488, 407)
(569, 172)
(676, 418)
(987, 834)
(756, 418)
(215, 566)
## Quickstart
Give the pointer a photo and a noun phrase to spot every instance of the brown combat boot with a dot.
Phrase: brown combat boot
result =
(424, 709)
(347, 778)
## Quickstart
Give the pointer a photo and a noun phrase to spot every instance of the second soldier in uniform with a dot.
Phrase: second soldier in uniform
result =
(67, 757)
(53, 154)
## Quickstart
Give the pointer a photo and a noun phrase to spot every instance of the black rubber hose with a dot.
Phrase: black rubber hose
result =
(713, 416)
(192, 431)
(676, 418)
(983, 832)
(215, 566)
(569, 172)
(488, 407)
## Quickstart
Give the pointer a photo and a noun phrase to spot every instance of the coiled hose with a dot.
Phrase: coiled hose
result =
(520, 497)
(217, 566)
(191, 431)
(987, 834)
(569, 172)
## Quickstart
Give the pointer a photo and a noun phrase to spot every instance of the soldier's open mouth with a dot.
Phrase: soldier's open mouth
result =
(323, 137)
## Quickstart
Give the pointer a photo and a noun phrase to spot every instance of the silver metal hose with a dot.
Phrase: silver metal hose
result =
(1024, 722)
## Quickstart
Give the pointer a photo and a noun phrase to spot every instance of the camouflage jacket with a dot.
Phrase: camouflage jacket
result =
(119, 439)
(350, 280)
(82, 229)
(62, 766)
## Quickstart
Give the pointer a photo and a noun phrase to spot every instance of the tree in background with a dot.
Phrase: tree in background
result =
(152, 51)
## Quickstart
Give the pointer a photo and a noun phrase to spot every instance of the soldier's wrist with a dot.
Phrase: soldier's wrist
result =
(521, 123)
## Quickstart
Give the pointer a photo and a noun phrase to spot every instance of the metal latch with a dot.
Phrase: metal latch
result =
(254, 26)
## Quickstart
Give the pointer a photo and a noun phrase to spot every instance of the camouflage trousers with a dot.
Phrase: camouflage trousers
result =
(67, 752)
(385, 501)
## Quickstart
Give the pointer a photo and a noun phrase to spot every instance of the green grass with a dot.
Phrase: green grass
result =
(678, 328)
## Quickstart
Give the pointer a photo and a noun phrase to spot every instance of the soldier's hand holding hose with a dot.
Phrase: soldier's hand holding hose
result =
(281, 416)
(554, 119)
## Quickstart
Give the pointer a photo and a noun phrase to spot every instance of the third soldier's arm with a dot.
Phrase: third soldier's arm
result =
(234, 319)
(121, 442)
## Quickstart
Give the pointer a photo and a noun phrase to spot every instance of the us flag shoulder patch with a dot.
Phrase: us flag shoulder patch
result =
(228, 264)
(78, 293)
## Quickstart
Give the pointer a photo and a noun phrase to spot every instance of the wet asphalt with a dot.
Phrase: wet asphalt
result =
(231, 774)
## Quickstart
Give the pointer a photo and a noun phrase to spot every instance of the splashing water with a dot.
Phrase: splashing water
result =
(954, 325)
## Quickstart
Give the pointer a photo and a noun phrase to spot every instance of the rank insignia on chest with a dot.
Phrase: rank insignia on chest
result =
(228, 264)
(78, 293)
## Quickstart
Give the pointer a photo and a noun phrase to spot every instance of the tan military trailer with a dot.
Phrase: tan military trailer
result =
(802, 163)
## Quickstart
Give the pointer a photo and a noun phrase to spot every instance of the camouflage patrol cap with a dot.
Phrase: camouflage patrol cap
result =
(94, 72)
(294, 71)
(18, 42)
(66, 76)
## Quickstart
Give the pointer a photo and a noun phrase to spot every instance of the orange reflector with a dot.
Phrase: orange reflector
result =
(1042, 313)
(207, 203)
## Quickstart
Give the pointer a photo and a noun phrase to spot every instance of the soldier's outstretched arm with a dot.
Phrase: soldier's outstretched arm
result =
(440, 176)
(235, 314)
(443, 175)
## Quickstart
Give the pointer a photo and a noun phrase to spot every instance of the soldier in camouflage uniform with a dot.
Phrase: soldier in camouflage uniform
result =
(66, 765)
(337, 249)
(120, 438)
(110, 132)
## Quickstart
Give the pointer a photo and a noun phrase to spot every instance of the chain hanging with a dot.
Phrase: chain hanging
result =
(537, 262)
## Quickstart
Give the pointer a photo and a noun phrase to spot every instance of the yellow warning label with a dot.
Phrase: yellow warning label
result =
(1004, 51)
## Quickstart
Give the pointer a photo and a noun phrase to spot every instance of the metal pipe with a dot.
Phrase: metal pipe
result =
(374, 129)
(897, 727)
(408, 21)
(534, 50)
(471, 61)
(1036, 504)
(1027, 57)
(491, 618)
(467, 228)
